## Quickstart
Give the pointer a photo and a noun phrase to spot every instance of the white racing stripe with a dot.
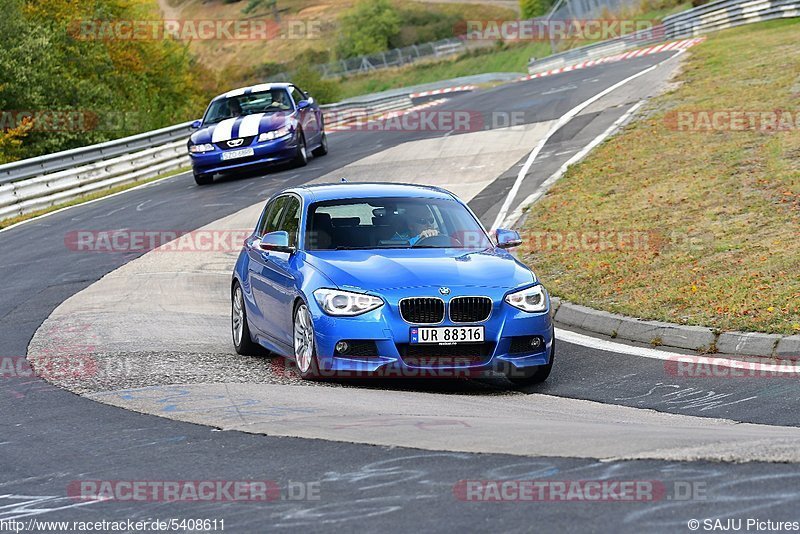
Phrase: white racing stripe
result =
(260, 87)
(223, 130)
(249, 125)
(752, 365)
(561, 122)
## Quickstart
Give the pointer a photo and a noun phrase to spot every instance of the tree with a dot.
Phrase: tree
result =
(49, 65)
(367, 28)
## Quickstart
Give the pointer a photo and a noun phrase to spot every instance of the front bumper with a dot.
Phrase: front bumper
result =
(270, 152)
(391, 336)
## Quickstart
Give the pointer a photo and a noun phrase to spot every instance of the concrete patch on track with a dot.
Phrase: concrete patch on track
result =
(534, 425)
(463, 163)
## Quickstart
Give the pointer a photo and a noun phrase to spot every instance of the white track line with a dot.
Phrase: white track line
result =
(561, 122)
(544, 186)
(752, 365)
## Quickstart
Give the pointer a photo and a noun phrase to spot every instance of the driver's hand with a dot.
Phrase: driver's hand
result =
(430, 232)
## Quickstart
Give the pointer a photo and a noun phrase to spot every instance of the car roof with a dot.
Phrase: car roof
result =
(253, 89)
(351, 190)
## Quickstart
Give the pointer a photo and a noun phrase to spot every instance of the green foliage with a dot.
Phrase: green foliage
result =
(119, 86)
(367, 28)
(255, 5)
(424, 26)
(309, 80)
(533, 8)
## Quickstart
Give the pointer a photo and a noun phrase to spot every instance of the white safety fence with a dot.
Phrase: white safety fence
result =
(710, 17)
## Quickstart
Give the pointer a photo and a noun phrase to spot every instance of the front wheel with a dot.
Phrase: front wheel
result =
(242, 341)
(536, 375)
(203, 179)
(301, 158)
(322, 149)
(304, 347)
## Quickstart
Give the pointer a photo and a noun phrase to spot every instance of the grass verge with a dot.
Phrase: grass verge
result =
(717, 213)
(509, 58)
(5, 223)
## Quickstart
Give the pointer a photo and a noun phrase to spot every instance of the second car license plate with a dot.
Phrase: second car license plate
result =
(233, 154)
(446, 335)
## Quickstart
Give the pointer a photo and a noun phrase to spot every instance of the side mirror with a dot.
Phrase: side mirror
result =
(277, 241)
(196, 125)
(507, 238)
(303, 104)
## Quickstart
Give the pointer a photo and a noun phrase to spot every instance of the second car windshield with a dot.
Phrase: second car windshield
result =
(392, 223)
(272, 101)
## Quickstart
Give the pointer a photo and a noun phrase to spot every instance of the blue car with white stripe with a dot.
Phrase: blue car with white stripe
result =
(256, 126)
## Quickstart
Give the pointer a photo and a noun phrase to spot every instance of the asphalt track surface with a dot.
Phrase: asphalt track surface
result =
(51, 437)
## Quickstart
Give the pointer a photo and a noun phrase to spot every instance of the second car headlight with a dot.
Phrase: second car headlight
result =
(274, 134)
(337, 302)
(196, 149)
(532, 299)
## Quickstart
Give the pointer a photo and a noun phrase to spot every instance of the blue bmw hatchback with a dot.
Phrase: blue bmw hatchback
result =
(256, 126)
(388, 279)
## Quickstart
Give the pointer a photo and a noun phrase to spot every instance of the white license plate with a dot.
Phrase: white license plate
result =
(446, 335)
(233, 154)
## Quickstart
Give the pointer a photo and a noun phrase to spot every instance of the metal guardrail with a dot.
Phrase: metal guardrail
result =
(36, 183)
(692, 22)
(28, 168)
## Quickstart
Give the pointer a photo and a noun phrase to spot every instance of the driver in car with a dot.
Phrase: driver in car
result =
(234, 108)
(419, 225)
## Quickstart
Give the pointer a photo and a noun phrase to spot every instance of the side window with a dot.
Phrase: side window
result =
(273, 216)
(291, 222)
(297, 95)
(262, 222)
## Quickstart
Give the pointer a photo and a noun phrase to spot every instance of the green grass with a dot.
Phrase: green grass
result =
(10, 221)
(512, 59)
(721, 208)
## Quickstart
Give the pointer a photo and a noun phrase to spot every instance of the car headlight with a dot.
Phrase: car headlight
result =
(336, 302)
(532, 299)
(274, 134)
(196, 149)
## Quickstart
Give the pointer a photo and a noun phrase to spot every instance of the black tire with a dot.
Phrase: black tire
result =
(203, 179)
(301, 158)
(322, 149)
(312, 372)
(244, 345)
(537, 375)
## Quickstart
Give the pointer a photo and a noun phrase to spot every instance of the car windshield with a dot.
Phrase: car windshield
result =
(377, 223)
(272, 101)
